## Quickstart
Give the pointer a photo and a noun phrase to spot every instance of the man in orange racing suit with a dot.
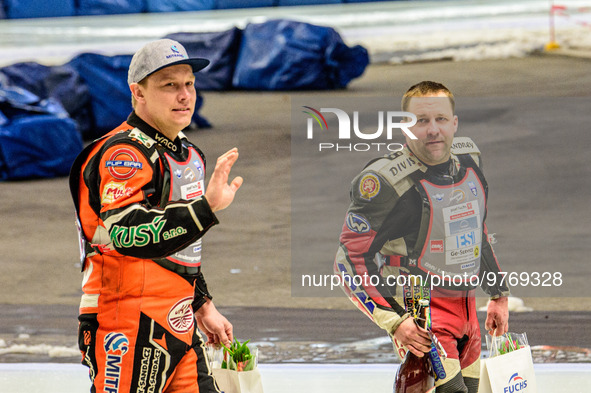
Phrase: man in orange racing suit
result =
(142, 209)
(421, 212)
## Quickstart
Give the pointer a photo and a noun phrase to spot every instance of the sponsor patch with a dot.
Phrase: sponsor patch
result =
(180, 317)
(473, 188)
(199, 168)
(468, 265)
(369, 186)
(114, 190)
(141, 138)
(123, 164)
(189, 174)
(192, 190)
(437, 246)
(357, 223)
(438, 197)
(116, 346)
(457, 196)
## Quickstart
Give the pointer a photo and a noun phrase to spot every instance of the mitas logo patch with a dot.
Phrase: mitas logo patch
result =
(116, 346)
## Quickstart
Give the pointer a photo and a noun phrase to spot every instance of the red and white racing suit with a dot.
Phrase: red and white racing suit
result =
(409, 219)
(141, 210)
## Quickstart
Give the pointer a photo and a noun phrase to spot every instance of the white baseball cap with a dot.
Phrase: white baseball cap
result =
(160, 54)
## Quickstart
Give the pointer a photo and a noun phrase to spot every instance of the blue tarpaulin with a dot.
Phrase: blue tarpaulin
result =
(106, 78)
(223, 4)
(220, 48)
(37, 138)
(16, 9)
(281, 3)
(62, 83)
(289, 55)
(106, 7)
(179, 5)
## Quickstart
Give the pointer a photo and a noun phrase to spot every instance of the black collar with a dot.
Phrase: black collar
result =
(174, 146)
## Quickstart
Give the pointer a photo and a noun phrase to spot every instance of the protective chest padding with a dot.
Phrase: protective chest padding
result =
(186, 182)
(449, 243)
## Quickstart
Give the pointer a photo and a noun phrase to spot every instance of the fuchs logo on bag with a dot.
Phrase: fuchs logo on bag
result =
(516, 384)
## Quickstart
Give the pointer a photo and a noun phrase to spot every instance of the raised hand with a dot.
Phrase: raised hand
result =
(219, 193)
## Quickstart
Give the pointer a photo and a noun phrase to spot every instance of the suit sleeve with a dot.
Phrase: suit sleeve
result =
(136, 228)
(356, 262)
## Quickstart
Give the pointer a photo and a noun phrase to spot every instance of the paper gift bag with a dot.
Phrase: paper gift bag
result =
(512, 372)
(232, 381)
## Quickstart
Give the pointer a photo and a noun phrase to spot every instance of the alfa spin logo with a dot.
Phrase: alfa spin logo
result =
(515, 384)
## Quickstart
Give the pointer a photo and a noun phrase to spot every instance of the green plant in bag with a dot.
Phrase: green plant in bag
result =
(509, 345)
(240, 357)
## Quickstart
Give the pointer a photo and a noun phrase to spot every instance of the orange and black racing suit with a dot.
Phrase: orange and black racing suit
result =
(141, 210)
(409, 219)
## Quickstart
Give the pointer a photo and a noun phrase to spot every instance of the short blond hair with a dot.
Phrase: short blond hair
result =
(425, 88)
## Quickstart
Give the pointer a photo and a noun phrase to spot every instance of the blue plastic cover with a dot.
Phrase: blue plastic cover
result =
(179, 5)
(62, 83)
(224, 4)
(106, 79)
(281, 3)
(220, 48)
(106, 7)
(37, 139)
(290, 55)
(2, 13)
(38, 8)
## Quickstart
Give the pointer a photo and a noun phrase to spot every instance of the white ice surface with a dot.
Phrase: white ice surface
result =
(284, 378)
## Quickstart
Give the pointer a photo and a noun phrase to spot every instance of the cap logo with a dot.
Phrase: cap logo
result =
(175, 53)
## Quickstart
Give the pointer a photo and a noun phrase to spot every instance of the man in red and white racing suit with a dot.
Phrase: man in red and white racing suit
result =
(421, 212)
(143, 208)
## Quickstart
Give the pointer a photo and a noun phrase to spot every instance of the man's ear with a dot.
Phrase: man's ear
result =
(136, 91)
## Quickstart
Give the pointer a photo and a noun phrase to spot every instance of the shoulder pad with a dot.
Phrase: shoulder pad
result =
(464, 145)
(135, 138)
(395, 169)
(141, 138)
(396, 166)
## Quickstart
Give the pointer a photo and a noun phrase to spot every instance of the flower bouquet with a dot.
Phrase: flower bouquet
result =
(235, 368)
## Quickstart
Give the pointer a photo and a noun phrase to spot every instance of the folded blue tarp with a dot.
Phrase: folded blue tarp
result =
(179, 5)
(106, 7)
(38, 8)
(220, 48)
(290, 55)
(281, 3)
(223, 4)
(106, 78)
(62, 83)
(37, 139)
